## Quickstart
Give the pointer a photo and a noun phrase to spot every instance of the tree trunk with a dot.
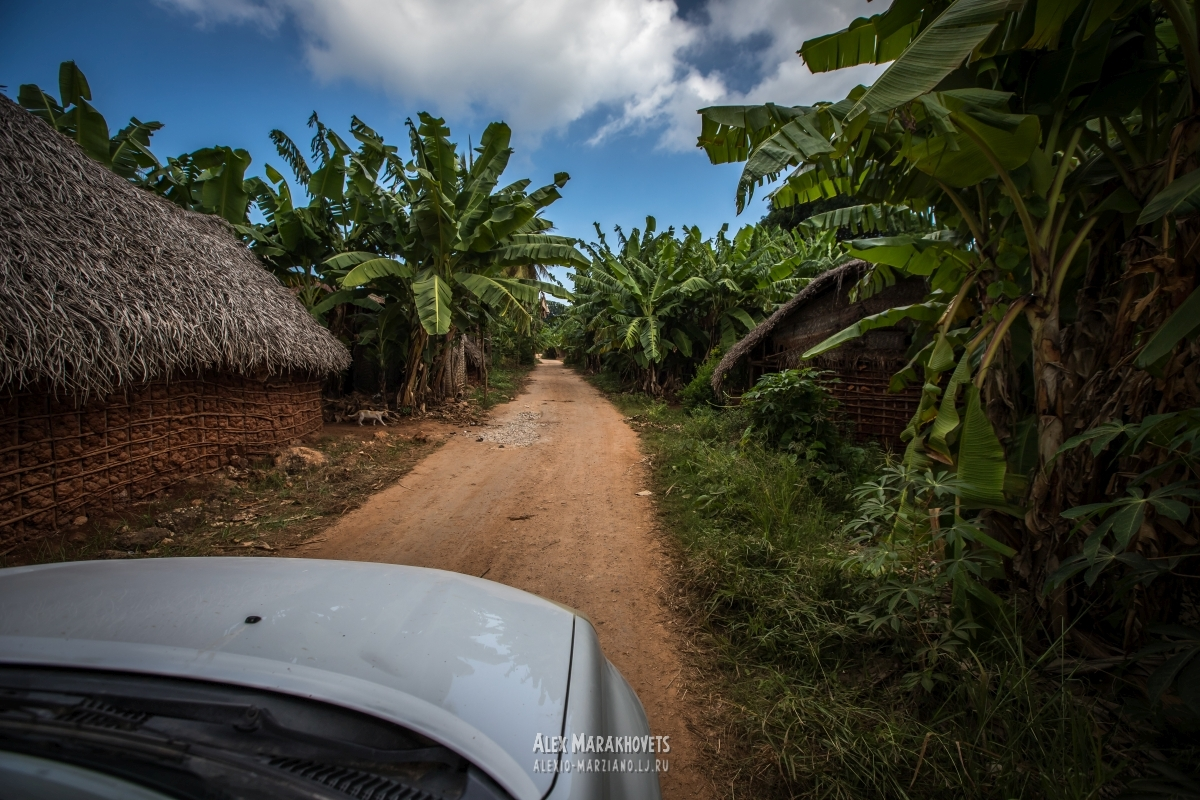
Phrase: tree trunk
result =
(1039, 558)
(416, 363)
(438, 371)
(443, 366)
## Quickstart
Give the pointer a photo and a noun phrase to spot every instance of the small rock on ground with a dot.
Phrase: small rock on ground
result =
(295, 459)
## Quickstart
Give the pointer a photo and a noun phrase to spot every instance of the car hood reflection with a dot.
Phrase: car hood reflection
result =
(494, 657)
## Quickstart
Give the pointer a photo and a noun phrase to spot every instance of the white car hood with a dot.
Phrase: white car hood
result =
(478, 666)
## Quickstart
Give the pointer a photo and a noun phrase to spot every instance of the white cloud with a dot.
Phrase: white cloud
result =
(210, 11)
(543, 64)
(785, 79)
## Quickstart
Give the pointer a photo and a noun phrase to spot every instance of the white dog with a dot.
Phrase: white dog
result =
(374, 416)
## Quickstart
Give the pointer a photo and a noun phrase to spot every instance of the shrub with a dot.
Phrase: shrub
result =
(792, 410)
(826, 700)
(699, 392)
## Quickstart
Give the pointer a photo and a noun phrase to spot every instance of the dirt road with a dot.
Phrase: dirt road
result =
(548, 503)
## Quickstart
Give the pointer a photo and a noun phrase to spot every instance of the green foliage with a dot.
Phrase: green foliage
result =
(420, 250)
(1110, 528)
(792, 216)
(511, 346)
(210, 180)
(1179, 673)
(699, 392)
(793, 409)
(932, 123)
(916, 551)
(653, 308)
(557, 326)
(505, 378)
(1052, 144)
(1179, 199)
(1181, 325)
(871, 217)
(827, 703)
(1039, 137)
(874, 40)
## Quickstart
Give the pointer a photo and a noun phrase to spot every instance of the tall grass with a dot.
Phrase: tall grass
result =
(825, 711)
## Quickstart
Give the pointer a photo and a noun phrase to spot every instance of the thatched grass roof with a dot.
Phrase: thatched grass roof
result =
(105, 285)
(846, 273)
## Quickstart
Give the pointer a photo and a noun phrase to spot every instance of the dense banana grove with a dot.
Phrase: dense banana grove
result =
(1037, 164)
(662, 303)
(1050, 475)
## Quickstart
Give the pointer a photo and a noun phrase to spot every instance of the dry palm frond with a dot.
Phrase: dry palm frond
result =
(105, 284)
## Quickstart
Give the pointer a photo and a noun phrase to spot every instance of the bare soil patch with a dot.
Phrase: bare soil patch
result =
(257, 508)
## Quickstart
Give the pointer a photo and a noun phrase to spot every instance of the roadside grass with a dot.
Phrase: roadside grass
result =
(610, 384)
(504, 383)
(822, 710)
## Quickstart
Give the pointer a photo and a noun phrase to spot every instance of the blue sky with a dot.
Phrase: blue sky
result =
(603, 89)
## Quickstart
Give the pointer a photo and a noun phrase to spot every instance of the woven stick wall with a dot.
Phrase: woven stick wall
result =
(863, 366)
(59, 458)
(862, 392)
(861, 389)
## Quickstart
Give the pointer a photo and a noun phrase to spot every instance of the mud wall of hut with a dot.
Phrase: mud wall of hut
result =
(60, 458)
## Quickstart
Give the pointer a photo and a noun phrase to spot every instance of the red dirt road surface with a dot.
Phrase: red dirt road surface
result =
(548, 503)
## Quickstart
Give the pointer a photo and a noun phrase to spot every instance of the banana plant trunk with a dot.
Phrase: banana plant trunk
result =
(416, 364)
(442, 363)
(1039, 557)
(650, 385)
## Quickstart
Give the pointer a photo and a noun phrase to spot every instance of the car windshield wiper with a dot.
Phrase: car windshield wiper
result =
(122, 711)
(253, 719)
(199, 739)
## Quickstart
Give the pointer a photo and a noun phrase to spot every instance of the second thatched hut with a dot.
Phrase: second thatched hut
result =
(140, 344)
(862, 367)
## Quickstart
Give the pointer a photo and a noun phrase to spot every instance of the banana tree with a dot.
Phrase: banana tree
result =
(657, 305)
(637, 298)
(751, 274)
(461, 242)
(351, 206)
(127, 153)
(210, 180)
(1053, 144)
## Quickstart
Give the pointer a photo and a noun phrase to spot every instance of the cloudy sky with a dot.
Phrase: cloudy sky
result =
(604, 89)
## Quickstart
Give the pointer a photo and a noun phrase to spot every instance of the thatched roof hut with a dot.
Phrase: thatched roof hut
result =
(140, 343)
(862, 367)
(105, 284)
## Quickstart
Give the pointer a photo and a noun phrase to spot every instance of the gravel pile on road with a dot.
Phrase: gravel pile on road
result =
(520, 432)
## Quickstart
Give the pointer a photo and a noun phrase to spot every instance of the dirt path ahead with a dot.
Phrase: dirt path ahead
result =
(548, 503)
